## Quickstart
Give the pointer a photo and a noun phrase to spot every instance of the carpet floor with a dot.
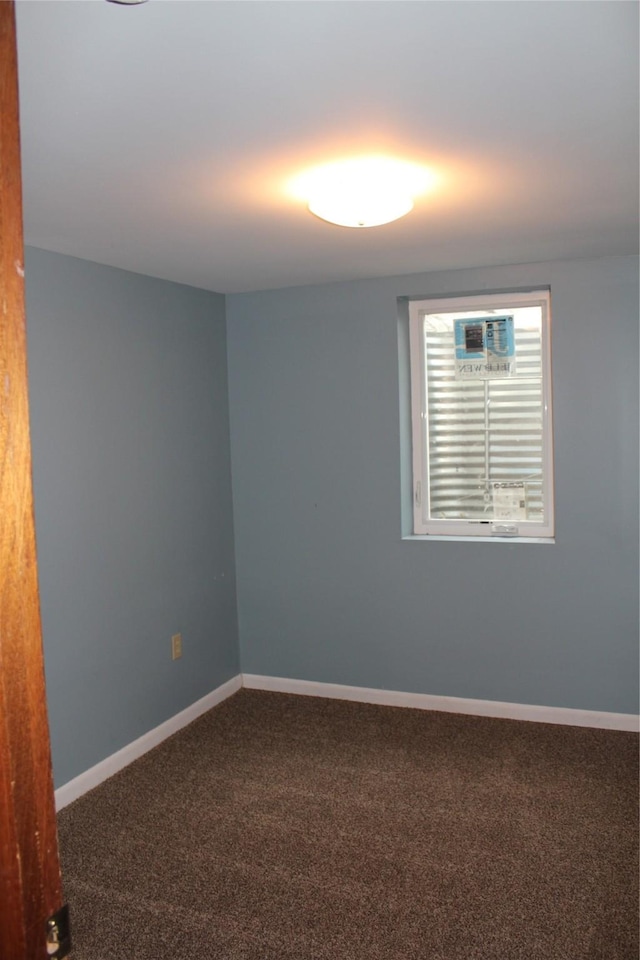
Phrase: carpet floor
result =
(280, 827)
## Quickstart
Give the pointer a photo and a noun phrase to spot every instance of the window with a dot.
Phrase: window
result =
(481, 416)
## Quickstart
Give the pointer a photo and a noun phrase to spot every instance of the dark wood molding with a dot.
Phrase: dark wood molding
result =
(30, 889)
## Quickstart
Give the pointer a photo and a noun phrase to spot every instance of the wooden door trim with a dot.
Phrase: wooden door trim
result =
(30, 888)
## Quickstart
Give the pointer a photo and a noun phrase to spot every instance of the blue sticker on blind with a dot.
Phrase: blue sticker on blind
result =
(485, 348)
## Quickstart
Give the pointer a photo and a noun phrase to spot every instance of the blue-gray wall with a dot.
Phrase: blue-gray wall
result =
(327, 588)
(130, 435)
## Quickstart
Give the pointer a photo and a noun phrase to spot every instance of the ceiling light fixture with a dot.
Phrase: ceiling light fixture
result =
(362, 191)
(128, 2)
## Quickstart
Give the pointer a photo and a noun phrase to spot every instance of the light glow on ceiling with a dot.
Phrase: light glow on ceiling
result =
(362, 191)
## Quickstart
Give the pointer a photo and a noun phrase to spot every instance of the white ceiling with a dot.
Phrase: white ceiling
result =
(160, 137)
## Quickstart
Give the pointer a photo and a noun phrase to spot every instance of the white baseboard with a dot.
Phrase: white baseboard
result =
(106, 768)
(336, 691)
(423, 701)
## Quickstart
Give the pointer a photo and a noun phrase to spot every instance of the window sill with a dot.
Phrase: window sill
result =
(428, 537)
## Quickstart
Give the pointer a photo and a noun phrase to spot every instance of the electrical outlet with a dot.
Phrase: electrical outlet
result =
(176, 646)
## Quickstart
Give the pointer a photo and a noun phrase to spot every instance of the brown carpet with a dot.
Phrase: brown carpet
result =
(280, 827)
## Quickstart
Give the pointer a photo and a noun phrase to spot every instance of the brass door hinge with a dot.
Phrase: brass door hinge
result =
(59, 934)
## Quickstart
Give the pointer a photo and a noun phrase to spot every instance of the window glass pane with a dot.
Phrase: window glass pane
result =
(484, 449)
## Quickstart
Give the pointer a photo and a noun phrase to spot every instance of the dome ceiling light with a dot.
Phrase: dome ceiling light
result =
(363, 191)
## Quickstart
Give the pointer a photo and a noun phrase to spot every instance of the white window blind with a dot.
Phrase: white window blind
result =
(482, 443)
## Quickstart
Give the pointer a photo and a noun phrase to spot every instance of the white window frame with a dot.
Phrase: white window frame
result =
(423, 525)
